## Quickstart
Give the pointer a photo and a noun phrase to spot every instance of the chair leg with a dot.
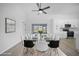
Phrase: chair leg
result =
(49, 51)
(31, 51)
(56, 51)
(52, 50)
(25, 50)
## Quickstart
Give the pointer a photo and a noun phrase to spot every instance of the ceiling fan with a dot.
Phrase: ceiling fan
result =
(41, 10)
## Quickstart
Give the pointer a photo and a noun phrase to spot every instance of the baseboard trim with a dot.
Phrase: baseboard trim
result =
(10, 47)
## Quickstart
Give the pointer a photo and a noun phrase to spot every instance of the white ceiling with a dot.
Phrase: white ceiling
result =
(55, 8)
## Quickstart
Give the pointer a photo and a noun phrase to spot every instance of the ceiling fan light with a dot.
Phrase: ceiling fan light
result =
(40, 12)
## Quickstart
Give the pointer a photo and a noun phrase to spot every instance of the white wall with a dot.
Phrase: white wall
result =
(39, 19)
(8, 40)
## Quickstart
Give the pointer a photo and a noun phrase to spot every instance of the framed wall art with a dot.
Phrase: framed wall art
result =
(10, 25)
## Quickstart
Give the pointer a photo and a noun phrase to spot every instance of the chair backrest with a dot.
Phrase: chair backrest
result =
(28, 43)
(54, 44)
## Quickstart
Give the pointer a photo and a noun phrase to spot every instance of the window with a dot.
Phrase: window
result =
(37, 27)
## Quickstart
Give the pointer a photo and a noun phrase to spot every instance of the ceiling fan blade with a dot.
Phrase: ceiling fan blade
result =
(44, 12)
(46, 8)
(39, 5)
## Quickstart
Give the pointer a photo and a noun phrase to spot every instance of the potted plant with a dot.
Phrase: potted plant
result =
(40, 32)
